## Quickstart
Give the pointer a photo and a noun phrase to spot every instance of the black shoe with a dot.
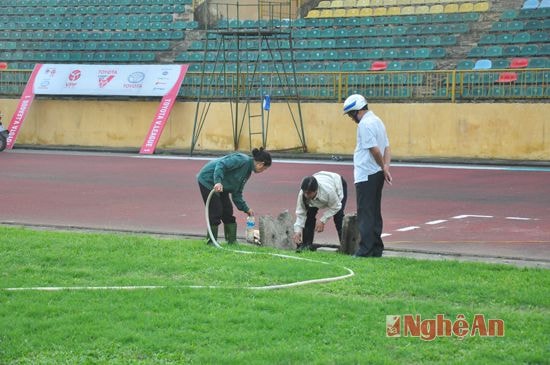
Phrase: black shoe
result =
(303, 247)
(377, 254)
(370, 253)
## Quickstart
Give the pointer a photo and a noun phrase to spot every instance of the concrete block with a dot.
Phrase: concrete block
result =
(350, 235)
(277, 232)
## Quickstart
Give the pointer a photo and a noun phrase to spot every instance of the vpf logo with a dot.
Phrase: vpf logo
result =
(74, 75)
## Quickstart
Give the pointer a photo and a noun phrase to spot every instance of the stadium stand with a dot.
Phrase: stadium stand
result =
(394, 48)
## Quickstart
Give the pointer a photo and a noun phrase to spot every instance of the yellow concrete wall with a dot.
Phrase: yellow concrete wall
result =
(488, 131)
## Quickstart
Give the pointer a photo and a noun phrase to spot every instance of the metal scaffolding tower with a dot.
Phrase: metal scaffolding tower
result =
(250, 64)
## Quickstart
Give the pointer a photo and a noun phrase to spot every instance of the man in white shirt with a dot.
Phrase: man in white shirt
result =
(323, 190)
(371, 168)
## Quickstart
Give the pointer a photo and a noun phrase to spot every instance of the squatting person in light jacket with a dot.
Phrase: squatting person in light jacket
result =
(228, 175)
(323, 190)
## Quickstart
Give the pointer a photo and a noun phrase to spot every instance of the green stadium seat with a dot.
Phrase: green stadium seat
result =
(487, 39)
(300, 22)
(438, 52)
(394, 66)
(501, 64)
(303, 67)
(359, 54)
(522, 37)
(471, 78)
(442, 92)
(314, 44)
(465, 65)
(509, 14)
(426, 65)
(493, 51)
(533, 25)
(498, 92)
(405, 53)
(417, 41)
(537, 91)
(409, 66)
(317, 55)
(399, 78)
(391, 54)
(301, 44)
(504, 38)
(399, 42)
(511, 51)
(327, 33)
(313, 33)
(345, 54)
(372, 42)
(477, 52)
(398, 30)
(530, 50)
(386, 42)
(328, 43)
(301, 56)
(538, 63)
(349, 66)
(342, 43)
(333, 67)
(433, 40)
(422, 53)
(476, 92)
(540, 37)
(364, 66)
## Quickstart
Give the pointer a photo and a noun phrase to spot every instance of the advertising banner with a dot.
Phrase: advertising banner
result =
(22, 109)
(124, 80)
(161, 116)
(104, 80)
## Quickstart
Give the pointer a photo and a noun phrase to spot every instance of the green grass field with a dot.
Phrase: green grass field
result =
(342, 322)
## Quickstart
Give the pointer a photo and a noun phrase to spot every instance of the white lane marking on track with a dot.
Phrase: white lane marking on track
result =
(462, 216)
(385, 235)
(406, 229)
(472, 216)
(302, 161)
(439, 221)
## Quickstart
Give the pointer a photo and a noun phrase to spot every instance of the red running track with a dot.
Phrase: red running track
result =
(471, 210)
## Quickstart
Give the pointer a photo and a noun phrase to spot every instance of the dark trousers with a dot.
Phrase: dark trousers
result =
(369, 215)
(309, 227)
(221, 207)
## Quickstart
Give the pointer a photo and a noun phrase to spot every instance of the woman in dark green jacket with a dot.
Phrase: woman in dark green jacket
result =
(228, 175)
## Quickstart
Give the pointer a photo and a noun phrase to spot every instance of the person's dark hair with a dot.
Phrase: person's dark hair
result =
(261, 155)
(309, 183)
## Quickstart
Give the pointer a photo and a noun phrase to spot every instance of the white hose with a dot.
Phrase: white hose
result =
(207, 217)
(266, 287)
(277, 286)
